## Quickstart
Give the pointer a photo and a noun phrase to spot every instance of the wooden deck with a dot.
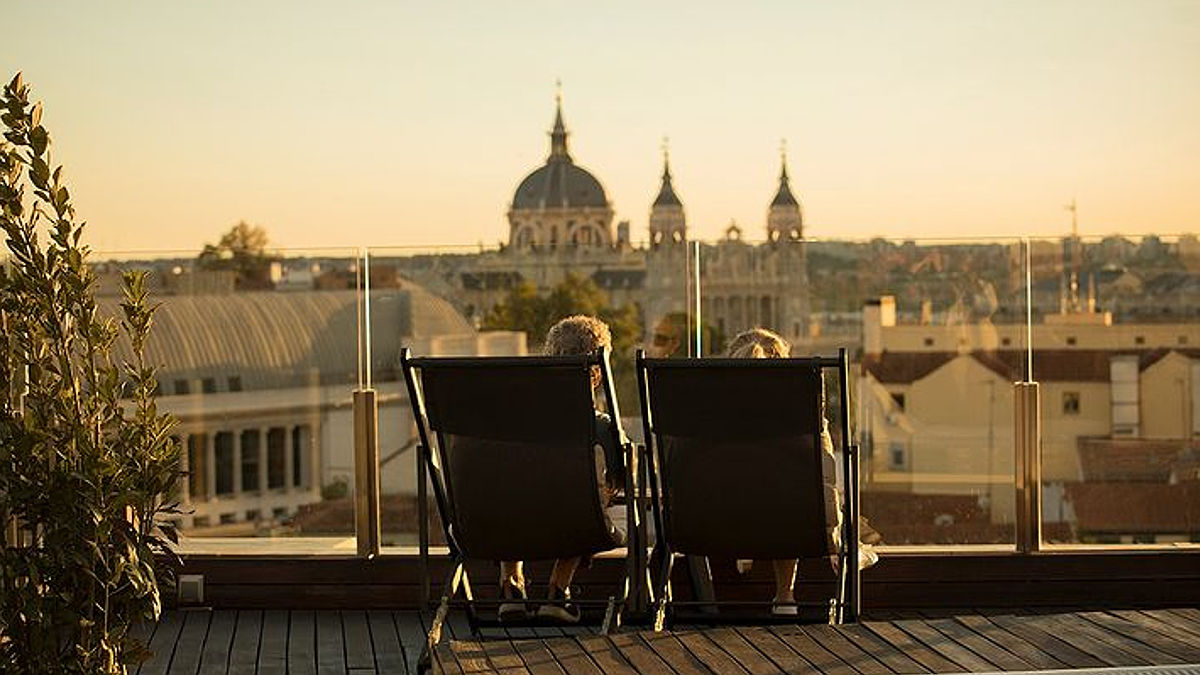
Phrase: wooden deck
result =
(381, 641)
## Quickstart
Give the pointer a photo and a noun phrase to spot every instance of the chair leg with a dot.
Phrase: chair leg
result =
(439, 618)
(612, 618)
(664, 594)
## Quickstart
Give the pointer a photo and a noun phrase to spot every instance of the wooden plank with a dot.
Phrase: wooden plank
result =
(243, 654)
(272, 650)
(1167, 628)
(984, 648)
(537, 658)
(1039, 659)
(833, 641)
(389, 655)
(470, 656)
(302, 643)
(1171, 650)
(1047, 642)
(331, 649)
(411, 628)
(710, 653)
(504, 657)
(215, 659)
(1187, 619)
(143, 632)
(607, 657)
(356, 636)
(803, 644)
(571, 656)
(774, 649)
(190, 643)
(162, 645)
(1078, 635)
(968, 660)
(639, 654)
(905, 643)
(750, 658)
(672, 651)
(886, 654)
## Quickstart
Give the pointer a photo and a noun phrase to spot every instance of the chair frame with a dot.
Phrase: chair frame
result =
(846, 605)
(458, 578)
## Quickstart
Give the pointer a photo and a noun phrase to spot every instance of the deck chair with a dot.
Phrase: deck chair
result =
(509, 447)
(734, 468)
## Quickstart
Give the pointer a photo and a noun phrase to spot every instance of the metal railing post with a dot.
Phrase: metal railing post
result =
(1028, 434)
(366, 473)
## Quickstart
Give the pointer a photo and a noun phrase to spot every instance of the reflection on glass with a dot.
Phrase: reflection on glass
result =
(256, 357)
(1115, 336)
(942, 342)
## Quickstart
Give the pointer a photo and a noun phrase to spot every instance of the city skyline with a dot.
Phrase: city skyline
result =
(389, 125)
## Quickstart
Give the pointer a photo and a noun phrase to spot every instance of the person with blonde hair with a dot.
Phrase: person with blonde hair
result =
(573, 336)
(760, 343)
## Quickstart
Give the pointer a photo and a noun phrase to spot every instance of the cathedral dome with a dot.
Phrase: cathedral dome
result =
(560, 183)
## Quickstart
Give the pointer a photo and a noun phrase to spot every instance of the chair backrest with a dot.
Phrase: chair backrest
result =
(515, 442)
(738, 446)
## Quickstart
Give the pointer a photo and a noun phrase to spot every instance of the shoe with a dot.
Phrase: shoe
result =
(785, 609)
(866, 556)
(559, 607)
(512, 611)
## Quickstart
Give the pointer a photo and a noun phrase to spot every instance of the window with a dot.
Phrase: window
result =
(1070, 403)
(897, 455)
(276, 453)
(1183, 339)
(250, 445)
(197, 458)
(928, 342)
(235, 383)
(1139, 340)
(182, 387)
(1071, 340)
(209, 385)
(228, 518)
(200, 521)
(301, 437)
(252, 515)
(1006, 341)
(223, 450)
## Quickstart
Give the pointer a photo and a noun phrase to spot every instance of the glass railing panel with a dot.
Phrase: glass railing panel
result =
(940, 328)
(257, 360)
(473, 301)
(1116, 340)
(935, 333)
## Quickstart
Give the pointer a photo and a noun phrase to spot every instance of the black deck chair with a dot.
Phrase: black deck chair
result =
(735, 467)
(508, 443)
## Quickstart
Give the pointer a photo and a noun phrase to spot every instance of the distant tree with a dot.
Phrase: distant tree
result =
(243, 249)
(524, 309)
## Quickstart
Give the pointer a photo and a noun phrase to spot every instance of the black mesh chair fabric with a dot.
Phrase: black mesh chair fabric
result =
(516, 445)
(739, 451)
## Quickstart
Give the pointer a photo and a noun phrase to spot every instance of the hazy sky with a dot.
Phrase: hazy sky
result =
(388, 123)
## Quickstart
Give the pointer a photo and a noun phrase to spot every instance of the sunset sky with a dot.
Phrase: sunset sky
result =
(388, 123)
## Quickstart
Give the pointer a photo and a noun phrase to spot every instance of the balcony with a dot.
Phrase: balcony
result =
(1028, 413)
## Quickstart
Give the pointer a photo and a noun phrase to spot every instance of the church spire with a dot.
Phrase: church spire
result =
(784, 196)
(558, 135)
(666, 194)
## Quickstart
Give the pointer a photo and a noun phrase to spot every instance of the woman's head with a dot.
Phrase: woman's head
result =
(758, 343)
(577, 335)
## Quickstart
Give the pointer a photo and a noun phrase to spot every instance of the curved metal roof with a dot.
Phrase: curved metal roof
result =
(286, 339)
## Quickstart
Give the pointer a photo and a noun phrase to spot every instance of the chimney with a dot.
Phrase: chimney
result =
(877, 315)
